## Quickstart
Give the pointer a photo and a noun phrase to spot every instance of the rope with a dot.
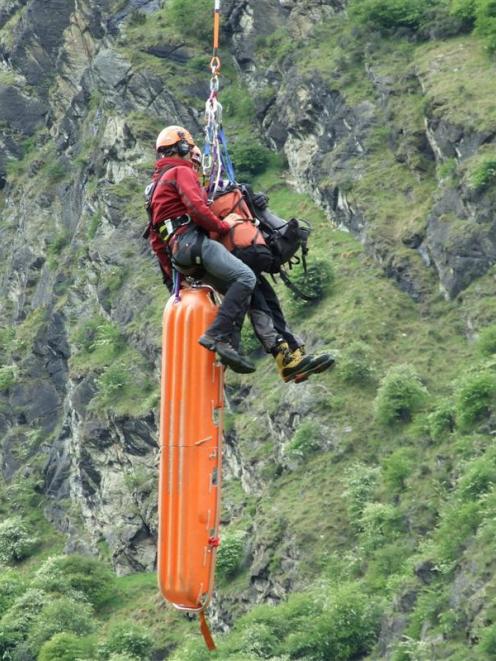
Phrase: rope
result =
(205, 630)
(176, 285)
(216, 163)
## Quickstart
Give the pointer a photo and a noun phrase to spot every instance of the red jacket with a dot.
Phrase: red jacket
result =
(178, 192)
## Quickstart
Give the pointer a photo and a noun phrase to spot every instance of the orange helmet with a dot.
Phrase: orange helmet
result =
(171, 135)
(196, 156)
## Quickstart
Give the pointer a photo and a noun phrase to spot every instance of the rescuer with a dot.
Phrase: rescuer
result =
(180, 221)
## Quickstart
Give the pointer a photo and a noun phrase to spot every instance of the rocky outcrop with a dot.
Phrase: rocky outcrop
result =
(325, 139)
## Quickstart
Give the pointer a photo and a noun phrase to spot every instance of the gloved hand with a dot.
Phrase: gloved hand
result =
(260, 200)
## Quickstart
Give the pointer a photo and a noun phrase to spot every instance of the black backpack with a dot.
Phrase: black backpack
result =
(284, 239)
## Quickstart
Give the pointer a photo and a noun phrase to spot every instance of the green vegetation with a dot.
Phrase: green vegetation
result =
(305, 440)
(486, 342)
(356, 363)
(196, 14)
(315, 281)
(401, 394)
(230, 553)
(67, 647)
(481, 169)
(475, 398)
(126, 638)
(16, 542)
(387, 14)
(250, 157)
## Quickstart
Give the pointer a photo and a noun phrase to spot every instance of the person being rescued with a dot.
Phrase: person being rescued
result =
(246, 241)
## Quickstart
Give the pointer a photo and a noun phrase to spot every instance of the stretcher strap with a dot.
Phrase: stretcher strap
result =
(204, 628)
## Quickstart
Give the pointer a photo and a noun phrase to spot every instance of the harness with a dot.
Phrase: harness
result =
(166, 227)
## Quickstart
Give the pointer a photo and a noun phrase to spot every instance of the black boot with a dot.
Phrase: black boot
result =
(231, 312)
(227, 353)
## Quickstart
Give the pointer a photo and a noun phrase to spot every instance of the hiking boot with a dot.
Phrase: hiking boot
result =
(319, 364)
(227, 353)
(290, 365)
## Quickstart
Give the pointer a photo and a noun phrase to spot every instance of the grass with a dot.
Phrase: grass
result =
(459, 70)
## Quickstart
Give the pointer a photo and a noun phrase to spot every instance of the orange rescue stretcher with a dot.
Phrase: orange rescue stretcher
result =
(192, 402)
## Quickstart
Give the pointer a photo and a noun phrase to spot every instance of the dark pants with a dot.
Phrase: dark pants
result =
(265, 311)
(224, 272)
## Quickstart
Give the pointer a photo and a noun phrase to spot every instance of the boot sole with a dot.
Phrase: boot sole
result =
(240, 368)
(207, 343)
(317, 369)
(227, 361)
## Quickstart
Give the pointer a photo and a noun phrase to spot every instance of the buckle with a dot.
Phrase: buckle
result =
(168, 226)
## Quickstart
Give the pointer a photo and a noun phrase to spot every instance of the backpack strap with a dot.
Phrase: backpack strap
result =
(149, 193)
(296, 290)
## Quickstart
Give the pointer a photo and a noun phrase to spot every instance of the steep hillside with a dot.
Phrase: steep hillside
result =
(358, 506)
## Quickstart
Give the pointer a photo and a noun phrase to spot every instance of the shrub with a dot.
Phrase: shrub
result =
(486, 342)
(11, 586)
(305, 440)
(458, 523)
(487, 644)
(67, 647)
(99, 337)
(259, 639)
(82, 574)
(7, 377)
(464, 9)
(249, 158)
(439, 22)
(113, 381)
(316, 282)
(380, 524)
(430, 603)
(230, 553)
(484, 173)
(127, 638)
(237, 102)
(355, 363)
(346, 629)
(442, 420)
(196, 14)
(474, 398)
(479, 476)
(16, 542)
(397, 467)
(485, 26)
(137, 17)
(63, 614)
(400, 395)
(388, 14)
(361, 482)
(285, 618)
(17, 621)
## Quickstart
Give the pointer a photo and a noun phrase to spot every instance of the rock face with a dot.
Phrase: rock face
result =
(326, 140)
(98, 469)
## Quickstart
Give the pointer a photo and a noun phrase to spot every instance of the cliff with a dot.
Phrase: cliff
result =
(385, 137)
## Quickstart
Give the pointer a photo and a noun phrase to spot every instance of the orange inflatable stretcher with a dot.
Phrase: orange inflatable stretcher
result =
(192, 404)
